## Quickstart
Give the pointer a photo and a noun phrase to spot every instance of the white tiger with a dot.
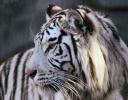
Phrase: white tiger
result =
(77, 56)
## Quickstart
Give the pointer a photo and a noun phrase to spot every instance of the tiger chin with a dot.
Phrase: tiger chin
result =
(78, 55)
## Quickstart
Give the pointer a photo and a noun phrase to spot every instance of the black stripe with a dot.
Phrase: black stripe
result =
(87, 10)
(59, 18)
(58, 42)
(26, 88)
(61, 13)
(40, 97)
(55, 18)
(114, 31)
(84, 77)
(63, 33)
(52, 39)
(48, 49)
(1, 89)
(124, 91)
(23, 77)
(101, 22)
(92, 69)
(71, 62)
(54, 23)
(54, 65)
(69, 51)
(15, 74)
(111, 47)
(75, 50)
(50, 27)
(60, 50)
(74, 45)
(56, 60)
(112, 28)
(47, 32)
(65, 62)
(42, 78)
(6, 73)
(57, 24)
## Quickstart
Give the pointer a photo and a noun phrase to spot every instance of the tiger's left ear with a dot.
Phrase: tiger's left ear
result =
(75, 22)
(51, 10)
(89, 20)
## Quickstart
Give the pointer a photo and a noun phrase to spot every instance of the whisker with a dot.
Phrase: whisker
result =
(69, 87)
(54, 86)
(62, 90)
(81, 86)
(74, 79)
(72, 88)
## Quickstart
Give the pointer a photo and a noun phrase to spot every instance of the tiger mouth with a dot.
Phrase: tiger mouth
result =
(48, 83)
(46, 80)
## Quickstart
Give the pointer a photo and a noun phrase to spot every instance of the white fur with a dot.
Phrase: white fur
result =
(10, 80)
(98, 60)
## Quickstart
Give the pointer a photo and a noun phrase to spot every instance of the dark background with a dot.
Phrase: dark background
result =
(21, 19)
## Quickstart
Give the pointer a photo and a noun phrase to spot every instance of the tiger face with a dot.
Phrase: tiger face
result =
(55, 61)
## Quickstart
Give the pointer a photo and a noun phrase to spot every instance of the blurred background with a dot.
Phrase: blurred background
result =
(20, 19)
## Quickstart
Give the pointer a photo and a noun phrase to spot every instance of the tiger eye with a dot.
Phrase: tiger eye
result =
(52, 45)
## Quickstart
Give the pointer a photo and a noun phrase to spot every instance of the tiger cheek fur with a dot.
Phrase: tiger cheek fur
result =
(77, 56)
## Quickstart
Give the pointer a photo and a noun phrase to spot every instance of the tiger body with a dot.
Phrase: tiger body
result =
(16, 85)
(77, 56)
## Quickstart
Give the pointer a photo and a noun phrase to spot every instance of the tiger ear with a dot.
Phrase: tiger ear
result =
(75, 21)
(51, 10)
(83, 19)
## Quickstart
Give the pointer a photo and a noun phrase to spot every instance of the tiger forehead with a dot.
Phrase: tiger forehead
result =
(54, 21)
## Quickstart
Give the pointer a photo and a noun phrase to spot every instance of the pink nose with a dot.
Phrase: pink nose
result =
(31, 73)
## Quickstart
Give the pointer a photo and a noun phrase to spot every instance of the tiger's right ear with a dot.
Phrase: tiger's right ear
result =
(51, 10)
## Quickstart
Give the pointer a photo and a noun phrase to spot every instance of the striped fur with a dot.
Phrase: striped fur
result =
(77, 56)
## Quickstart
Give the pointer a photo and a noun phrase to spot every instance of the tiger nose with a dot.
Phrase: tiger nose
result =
(31, 73)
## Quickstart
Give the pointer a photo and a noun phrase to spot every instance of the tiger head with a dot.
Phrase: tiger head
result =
(71, 51)
(57, 57)
(55, 60)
